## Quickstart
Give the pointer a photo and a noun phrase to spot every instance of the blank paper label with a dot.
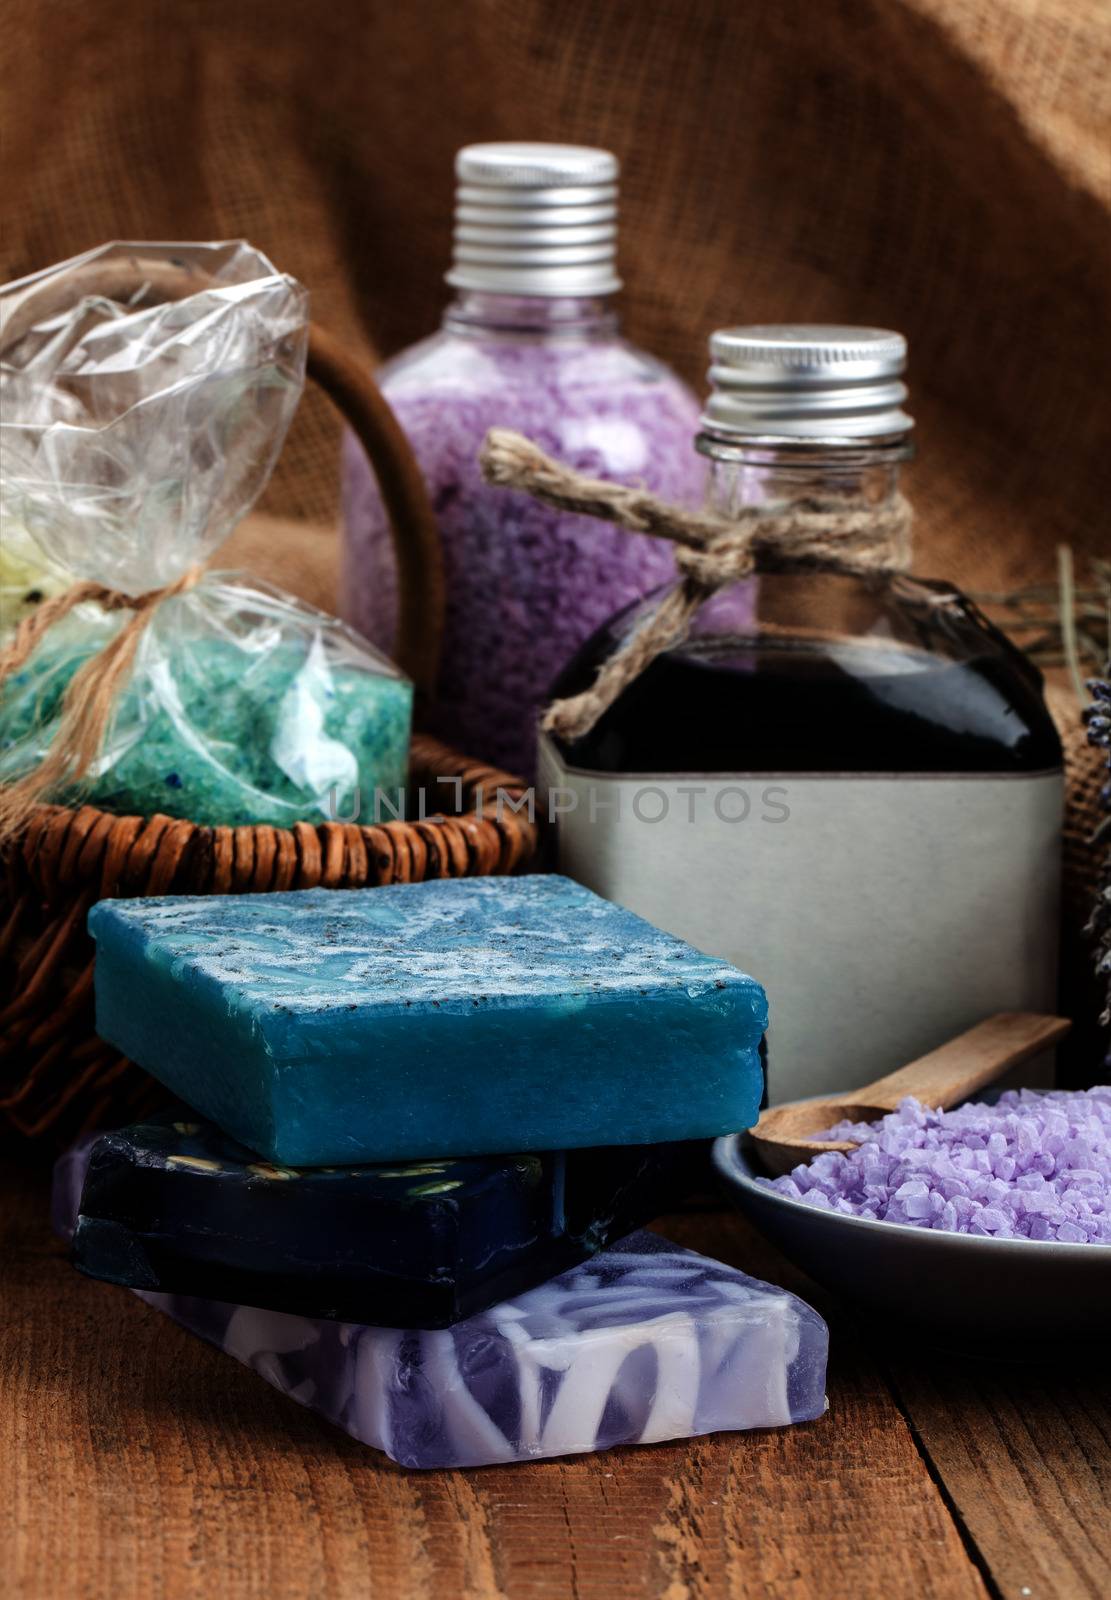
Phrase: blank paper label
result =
(883, 914)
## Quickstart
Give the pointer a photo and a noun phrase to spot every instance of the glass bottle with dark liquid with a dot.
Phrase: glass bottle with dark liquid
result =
(851, 788)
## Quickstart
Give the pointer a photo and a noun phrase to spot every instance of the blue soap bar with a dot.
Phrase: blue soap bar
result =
(449, 1018)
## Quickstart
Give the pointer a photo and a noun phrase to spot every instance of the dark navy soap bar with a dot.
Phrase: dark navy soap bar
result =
(427, 1020)
(173, 1204)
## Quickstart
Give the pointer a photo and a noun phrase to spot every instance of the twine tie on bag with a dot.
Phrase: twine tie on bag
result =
(90, 693)
(810, 534)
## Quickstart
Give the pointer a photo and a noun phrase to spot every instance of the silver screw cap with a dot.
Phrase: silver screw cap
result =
(823, 383)
(535, 219)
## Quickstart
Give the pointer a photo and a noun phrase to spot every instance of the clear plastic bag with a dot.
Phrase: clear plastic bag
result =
(133, 438)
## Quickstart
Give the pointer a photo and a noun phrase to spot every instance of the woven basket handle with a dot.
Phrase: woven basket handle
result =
(348, 384)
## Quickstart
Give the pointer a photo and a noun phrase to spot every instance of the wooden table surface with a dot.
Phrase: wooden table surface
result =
(136, 1461)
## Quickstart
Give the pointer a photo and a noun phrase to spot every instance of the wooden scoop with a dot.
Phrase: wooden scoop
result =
(942, 1079)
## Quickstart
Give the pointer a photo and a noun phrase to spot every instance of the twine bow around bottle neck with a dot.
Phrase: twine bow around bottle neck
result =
(90, 693)
(808, 534)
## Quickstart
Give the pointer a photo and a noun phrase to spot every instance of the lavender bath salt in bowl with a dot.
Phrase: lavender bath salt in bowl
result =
(986, 1223)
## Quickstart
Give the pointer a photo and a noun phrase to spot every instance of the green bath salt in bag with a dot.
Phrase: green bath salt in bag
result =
(134, 438)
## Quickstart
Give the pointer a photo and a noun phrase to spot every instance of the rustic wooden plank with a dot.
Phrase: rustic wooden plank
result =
(136, 1461)
(846, 1507)
(1024, 1451)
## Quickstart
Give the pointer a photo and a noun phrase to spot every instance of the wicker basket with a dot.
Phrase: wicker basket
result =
(56, 1076)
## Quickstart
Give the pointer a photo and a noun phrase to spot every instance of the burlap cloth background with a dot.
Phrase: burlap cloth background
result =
(939, 166)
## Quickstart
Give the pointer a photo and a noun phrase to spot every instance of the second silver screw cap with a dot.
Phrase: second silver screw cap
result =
(807, 381)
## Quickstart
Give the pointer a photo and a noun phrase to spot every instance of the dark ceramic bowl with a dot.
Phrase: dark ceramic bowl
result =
(963, 1287)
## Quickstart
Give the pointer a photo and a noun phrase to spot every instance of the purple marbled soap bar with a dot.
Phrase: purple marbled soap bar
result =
(644, 1342)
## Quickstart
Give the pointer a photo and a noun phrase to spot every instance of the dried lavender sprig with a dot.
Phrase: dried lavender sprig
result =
(1041, 618)
(1099, 733)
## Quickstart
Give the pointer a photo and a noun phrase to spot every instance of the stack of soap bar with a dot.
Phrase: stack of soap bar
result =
(426, 1020)
(642, 1343)
(174, 1204)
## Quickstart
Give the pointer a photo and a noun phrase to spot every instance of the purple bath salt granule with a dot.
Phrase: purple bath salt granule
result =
(1032, 1166)
(526, 584)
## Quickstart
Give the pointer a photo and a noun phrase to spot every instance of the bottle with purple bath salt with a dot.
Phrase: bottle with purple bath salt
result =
(530, 342)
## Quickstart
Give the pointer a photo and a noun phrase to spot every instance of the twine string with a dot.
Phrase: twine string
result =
(808, 534)
(90, 693)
